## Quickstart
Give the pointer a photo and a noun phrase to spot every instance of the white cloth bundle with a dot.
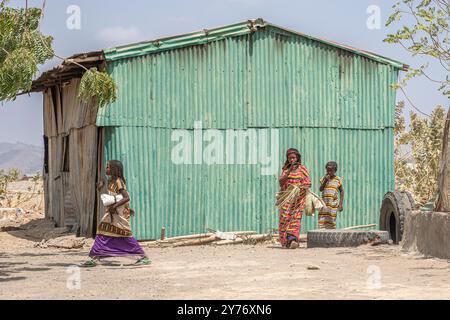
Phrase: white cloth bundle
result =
(108, 199)
(313, 202)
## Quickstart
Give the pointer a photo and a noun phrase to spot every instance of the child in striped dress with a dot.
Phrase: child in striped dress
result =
(331, 187)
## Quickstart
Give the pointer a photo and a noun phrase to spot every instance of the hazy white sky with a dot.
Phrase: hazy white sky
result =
(108, 23)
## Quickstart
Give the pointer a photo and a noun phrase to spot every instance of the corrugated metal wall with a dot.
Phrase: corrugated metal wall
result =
(252, 81)
(330, 104)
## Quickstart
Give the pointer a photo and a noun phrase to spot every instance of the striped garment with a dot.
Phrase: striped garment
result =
(327, 216)
(291, 213)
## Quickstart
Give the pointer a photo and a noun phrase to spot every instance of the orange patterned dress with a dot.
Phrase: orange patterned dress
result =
(291, 212)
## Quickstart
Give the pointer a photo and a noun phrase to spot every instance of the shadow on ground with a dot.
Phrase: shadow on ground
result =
(12, 279)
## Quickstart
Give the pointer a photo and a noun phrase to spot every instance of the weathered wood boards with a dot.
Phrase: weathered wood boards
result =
(71, 134)
(242, 237)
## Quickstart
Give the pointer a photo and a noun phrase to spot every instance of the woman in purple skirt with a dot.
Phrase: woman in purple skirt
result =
(114, 237)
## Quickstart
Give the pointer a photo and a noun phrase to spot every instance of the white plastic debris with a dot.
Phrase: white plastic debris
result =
(19, 212)
(225, 235)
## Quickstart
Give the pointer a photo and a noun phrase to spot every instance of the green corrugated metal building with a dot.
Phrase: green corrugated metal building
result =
(330, 101)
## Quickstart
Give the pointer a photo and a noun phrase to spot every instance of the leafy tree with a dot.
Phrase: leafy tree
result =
(23, 48)
(422, 144)
(428, 36)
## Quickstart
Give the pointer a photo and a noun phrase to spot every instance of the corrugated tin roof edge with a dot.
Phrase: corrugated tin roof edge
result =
(205, 36)
(184, 40)
(367, 54)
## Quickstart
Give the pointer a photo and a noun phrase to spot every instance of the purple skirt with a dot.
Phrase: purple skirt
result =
(105, 246)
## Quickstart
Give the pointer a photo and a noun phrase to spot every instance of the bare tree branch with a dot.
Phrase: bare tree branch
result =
(412, 104)
(42, 14)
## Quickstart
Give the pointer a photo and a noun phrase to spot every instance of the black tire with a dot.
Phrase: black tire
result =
(394, 209)
(411, 199)
(324, 238)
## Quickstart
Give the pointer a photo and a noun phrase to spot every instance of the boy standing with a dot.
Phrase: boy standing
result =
(331, 186)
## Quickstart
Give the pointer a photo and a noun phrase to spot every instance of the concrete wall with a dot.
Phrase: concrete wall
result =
(428, 233)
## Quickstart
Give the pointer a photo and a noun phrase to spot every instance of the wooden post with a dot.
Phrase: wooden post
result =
(442, 203)
(163, 233)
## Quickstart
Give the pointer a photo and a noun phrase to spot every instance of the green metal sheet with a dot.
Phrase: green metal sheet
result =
(186, 199)
(330, 103)
(267, 79)
(295, 81)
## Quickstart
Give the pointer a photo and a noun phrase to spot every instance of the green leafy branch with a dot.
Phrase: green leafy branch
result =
(428, 36)
(23, 48)
(100, 85)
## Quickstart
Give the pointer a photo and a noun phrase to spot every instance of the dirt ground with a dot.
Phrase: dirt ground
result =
(36, 264)
(262, 271)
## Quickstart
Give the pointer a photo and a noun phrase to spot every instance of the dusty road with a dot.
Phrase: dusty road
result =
(233, 272)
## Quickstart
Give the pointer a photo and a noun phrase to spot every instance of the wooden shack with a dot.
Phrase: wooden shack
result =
(71, 141)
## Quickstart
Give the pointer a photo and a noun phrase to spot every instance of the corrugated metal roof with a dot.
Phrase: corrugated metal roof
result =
(210, 35)
(68, 70)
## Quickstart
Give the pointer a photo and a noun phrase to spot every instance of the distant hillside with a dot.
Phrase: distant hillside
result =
(27, 158)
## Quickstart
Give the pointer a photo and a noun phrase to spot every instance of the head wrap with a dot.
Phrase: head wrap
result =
(292, 150)
(288, 152)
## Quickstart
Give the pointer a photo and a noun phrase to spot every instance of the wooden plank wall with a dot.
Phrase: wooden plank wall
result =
(70, 124)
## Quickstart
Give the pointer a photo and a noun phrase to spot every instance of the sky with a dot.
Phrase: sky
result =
(105, 24)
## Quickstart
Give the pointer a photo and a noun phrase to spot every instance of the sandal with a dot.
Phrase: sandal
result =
(89, 264)
(143, 261)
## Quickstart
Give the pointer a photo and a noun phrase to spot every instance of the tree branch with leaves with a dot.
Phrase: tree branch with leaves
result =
(23, 47)
(428, 35)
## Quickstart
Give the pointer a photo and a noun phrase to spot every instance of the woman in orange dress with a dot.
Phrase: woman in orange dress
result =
(294, 182)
